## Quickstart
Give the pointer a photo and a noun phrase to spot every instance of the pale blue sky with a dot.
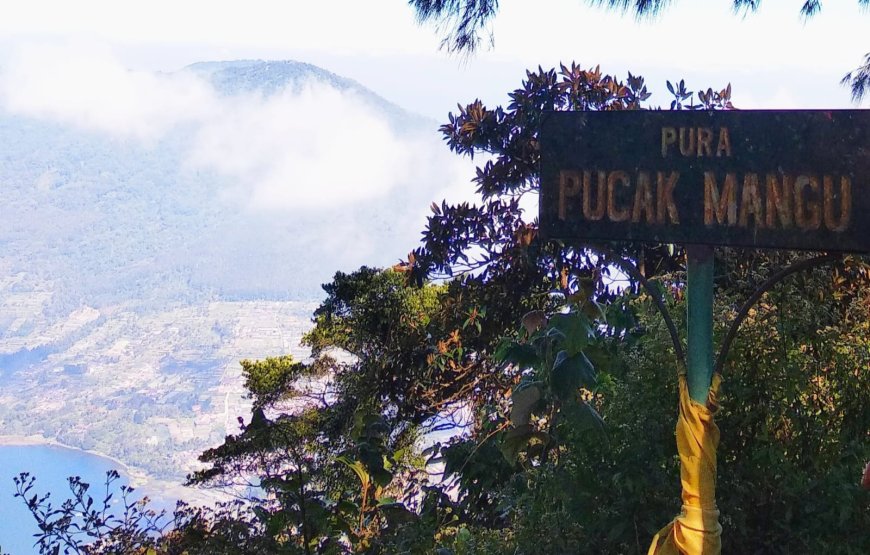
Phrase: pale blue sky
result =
(773, 58)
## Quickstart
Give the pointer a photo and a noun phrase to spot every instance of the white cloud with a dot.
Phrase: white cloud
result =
(84, 85)
(304, 147)
(314, 146)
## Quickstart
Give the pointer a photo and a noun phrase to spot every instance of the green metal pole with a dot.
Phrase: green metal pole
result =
(699, 268)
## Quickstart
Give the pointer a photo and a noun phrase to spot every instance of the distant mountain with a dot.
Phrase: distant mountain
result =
(134, 274)
(270, 77)
(107, 219)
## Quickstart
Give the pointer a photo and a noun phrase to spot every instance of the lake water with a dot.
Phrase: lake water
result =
(51, 466)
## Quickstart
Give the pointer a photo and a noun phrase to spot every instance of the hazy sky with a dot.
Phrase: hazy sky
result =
(106, 66)
(773, 58)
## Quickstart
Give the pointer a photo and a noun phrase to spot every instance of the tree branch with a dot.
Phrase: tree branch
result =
(635, 273)
(758, 293)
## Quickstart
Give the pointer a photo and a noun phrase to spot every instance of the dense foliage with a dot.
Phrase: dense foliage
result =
(497, 393)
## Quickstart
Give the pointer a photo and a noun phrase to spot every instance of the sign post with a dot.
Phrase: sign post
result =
(699, 367)
(775, 179)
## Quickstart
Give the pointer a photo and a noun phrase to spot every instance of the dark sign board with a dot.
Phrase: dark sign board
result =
(782, 179)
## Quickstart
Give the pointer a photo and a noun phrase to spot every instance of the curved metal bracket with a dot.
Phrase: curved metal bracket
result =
(766, 286)
(633, 270)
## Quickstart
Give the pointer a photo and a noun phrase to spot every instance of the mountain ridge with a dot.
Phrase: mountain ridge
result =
(273, 76)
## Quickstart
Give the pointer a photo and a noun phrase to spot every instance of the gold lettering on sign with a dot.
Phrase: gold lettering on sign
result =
(724, 143)
(687, 141)
(845, 203)
(720, 205)
(614, 213)
(779, 201)
(750, 202)
(669, 137)
(617, 196)
(697, 142)
(569, 186)
(643, 200)
(783, 201)
(665, 196)
(597, 212)
(807, 215)
(705, 140)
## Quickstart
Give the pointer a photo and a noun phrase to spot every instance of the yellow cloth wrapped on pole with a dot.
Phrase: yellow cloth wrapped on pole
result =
(697, 530)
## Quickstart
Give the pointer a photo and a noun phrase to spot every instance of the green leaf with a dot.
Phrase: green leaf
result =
(594, 311)
(262, 514)
(358, 468)
(381, 476)
(346, 506)
(523, 401)
(464, 535)
(521, 355)
(517, 439)
(576, 328)
(397, 513)
(582, 417)
(571, 372)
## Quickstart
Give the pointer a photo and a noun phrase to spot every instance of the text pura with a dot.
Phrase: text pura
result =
(696, 141)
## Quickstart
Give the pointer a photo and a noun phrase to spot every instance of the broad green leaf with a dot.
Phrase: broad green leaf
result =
(522, 402)
(582, 417)
(346, 506)
(464, 535)
(521, 355)
(576, 328)
(381, 476)
(571, 372)
(358, 468)
(515, 441)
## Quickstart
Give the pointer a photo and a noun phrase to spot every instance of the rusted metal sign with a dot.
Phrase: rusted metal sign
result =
(781, 179)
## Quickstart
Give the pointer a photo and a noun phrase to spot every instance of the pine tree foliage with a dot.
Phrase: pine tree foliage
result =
(463, 21)
(859, 80)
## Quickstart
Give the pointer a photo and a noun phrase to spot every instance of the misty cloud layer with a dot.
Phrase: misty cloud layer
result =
(153, 183)
(304, 147)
